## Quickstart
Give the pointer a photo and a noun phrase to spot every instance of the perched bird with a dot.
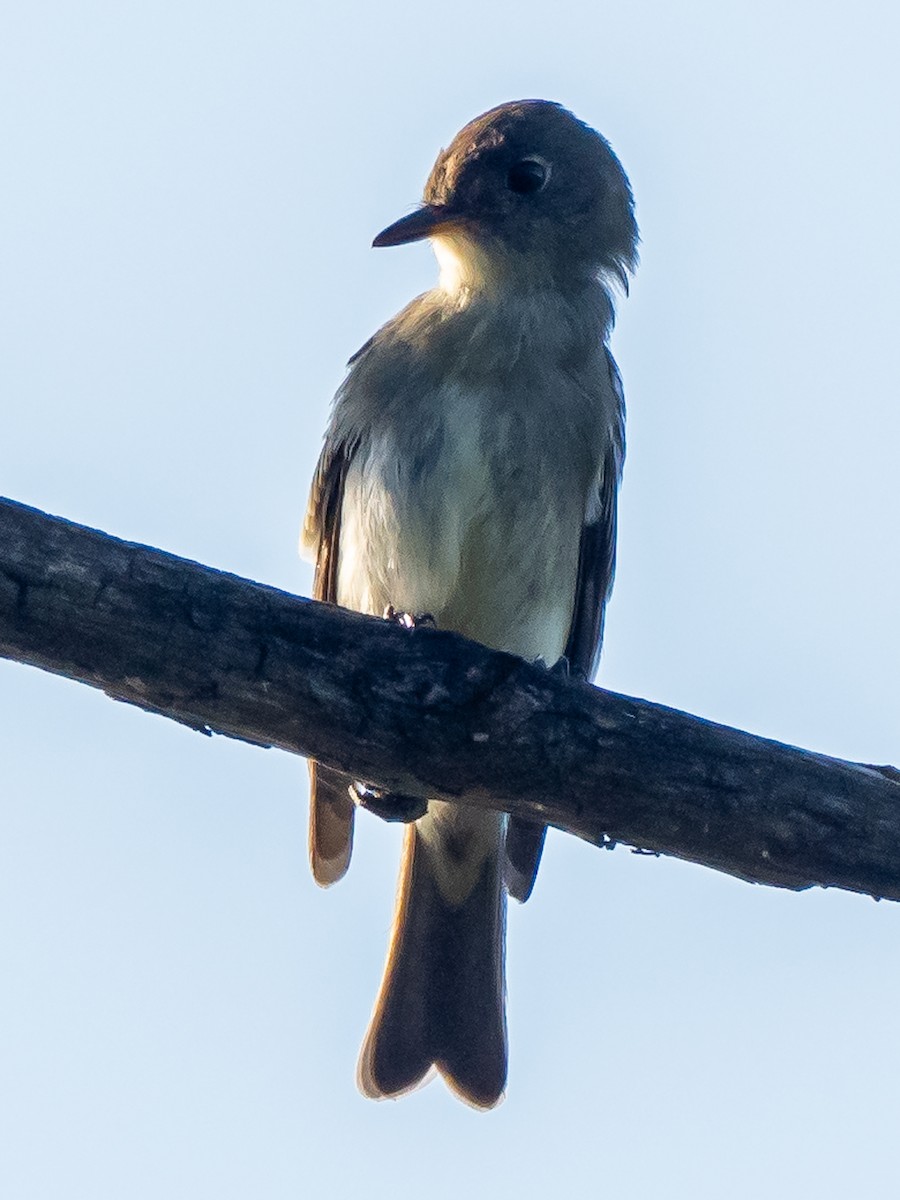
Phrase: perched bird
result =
(470, 471)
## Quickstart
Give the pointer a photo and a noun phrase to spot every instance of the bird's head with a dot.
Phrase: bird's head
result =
(526, 194)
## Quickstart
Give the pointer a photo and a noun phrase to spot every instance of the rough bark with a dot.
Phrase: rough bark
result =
(428, 712)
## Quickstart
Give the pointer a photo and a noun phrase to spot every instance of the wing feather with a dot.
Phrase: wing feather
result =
(331, 809)
(596, 570)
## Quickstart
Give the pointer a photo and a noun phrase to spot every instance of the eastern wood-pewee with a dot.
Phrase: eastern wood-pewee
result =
(470, 471)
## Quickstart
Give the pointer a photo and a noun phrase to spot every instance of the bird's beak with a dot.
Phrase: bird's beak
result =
(424, 222)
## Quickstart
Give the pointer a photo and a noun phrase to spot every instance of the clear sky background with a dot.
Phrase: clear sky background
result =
(189, 194)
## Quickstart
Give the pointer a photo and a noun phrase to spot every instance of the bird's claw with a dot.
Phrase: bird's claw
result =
(409, 620)
(566, 669)
(390, 806)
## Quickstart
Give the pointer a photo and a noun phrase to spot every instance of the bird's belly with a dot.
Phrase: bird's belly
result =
(516, 585)
(487, 556)
(476, 520)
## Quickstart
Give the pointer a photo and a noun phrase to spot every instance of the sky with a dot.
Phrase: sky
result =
(190, 193)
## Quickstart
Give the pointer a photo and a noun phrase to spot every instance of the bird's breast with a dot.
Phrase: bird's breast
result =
(470, 507)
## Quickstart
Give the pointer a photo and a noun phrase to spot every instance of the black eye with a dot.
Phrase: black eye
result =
(528, 176)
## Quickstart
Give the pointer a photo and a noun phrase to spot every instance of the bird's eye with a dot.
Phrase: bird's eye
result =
(528, 176)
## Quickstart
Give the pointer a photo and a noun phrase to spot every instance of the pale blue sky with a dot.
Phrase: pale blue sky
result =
(189, 195)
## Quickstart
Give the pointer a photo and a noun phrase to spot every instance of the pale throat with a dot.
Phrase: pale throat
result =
(465, 267)
(468, 268)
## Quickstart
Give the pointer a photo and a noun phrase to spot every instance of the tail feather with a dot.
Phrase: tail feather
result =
(442, 998)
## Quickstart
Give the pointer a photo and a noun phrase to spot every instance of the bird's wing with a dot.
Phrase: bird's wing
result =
(596, 569)
(331, 809)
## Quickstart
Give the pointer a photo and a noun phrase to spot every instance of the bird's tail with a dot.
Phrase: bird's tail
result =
(442, 998)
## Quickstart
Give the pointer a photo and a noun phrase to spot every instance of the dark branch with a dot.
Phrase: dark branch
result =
(428, 712)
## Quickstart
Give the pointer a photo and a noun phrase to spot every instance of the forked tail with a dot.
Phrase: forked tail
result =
(442, 998)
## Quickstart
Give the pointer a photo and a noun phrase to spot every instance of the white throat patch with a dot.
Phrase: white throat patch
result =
(463, 265)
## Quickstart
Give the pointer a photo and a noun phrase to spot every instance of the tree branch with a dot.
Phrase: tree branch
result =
(428, 712)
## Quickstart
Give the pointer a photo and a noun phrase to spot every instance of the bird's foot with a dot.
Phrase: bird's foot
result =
(394, 806)
(409, 620)
(566, 669)
(390, 806)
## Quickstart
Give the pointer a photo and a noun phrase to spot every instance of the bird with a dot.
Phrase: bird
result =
(470, 471)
